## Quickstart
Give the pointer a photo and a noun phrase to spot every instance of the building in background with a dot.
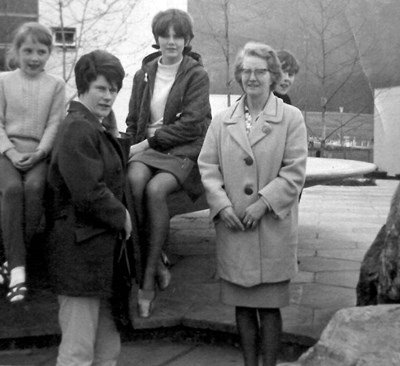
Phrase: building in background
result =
(12, 14)
(119, 26)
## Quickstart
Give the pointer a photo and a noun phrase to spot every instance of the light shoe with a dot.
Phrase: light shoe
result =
(163, 276)
(145, 302)
(4, 274)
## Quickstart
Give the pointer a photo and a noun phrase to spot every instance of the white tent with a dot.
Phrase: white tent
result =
(387, 130)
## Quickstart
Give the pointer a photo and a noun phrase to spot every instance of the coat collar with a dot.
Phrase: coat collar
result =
(150, 64)
(81, 108)
(106, 128)
(272, 113)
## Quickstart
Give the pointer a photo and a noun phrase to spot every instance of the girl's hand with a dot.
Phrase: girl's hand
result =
(29, 160)
(137, 148)
(15, 157)
(230, 219)
(253, 214)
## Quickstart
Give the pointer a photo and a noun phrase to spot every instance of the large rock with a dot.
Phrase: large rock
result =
(379, 281)
(359, 336)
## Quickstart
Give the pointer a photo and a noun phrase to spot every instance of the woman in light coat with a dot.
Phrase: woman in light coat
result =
(253, 165)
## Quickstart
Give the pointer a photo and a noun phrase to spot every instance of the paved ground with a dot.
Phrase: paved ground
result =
(142, 353)
(337, 225)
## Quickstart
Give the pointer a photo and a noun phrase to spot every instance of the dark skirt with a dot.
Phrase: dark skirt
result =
(179, 167)
(264, 295)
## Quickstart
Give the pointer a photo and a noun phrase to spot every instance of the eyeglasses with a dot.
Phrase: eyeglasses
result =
(258, 73)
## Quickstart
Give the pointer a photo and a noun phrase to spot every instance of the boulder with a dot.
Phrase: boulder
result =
(359, 336)
(379, 281)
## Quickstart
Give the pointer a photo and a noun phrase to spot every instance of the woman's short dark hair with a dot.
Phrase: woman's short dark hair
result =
(180, 20)
(289, 63)
(96, 63)
(264, 52)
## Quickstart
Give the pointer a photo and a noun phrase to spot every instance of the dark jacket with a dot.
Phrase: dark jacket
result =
(284, 97)
(187, 112)
(85, 212)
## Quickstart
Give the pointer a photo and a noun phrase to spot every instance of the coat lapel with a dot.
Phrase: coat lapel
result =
(273, 113)
(236, 128)
(108, 129)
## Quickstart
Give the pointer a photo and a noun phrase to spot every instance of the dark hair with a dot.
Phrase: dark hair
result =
(180, 20)
(96, 63)
(38, 32)
(264, 52)
(289, 63)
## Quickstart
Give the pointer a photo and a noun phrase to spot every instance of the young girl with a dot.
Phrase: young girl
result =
(31, 108)
(169, 113)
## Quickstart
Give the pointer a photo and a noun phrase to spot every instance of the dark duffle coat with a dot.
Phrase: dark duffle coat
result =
(187, 113)
(85, 211)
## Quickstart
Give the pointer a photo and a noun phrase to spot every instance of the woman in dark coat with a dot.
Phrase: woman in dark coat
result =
(87, 217)
(169, 113)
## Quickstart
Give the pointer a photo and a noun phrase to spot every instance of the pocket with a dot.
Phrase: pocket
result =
(187, 164)
(84, 233)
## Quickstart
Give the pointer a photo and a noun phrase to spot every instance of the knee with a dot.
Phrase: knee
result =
(34, 188)
(137, 183)
(155, 193)
(13, 191)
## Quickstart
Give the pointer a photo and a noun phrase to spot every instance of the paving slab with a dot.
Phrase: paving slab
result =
(30, 357)
(322, 264)
(346, 279)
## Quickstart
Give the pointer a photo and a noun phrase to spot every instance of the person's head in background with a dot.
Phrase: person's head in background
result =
(172, 30)
(290, 68)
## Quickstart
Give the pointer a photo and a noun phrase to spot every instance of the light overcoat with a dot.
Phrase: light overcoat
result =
(236, 170)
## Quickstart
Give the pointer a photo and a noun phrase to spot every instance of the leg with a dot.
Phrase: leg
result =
(12, 203)
(78, 318)
(108, 342)
(157, 191)
(34, 185)
(138, 176)
(247, 324)
(271, 328)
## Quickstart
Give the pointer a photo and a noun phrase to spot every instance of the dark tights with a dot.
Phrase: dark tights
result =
(259, 325)
(150, 194)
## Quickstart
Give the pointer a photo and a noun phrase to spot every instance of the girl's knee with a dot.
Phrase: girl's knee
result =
(34, 187)
(137, 178)
(13, 190)
(155, 192)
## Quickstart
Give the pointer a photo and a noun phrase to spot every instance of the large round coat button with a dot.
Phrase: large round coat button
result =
(248, 160)
(248, 191)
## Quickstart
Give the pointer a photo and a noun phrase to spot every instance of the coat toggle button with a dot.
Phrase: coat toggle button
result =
(248, 160)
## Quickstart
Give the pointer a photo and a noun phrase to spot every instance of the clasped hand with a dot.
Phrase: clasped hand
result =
(250, 219)
(137, 148)
(25, 161)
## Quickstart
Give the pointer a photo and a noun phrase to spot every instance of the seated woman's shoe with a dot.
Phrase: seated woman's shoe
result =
(17, 293)
(145, 302)
(164, 259)
(163, 276)
(4, 274)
